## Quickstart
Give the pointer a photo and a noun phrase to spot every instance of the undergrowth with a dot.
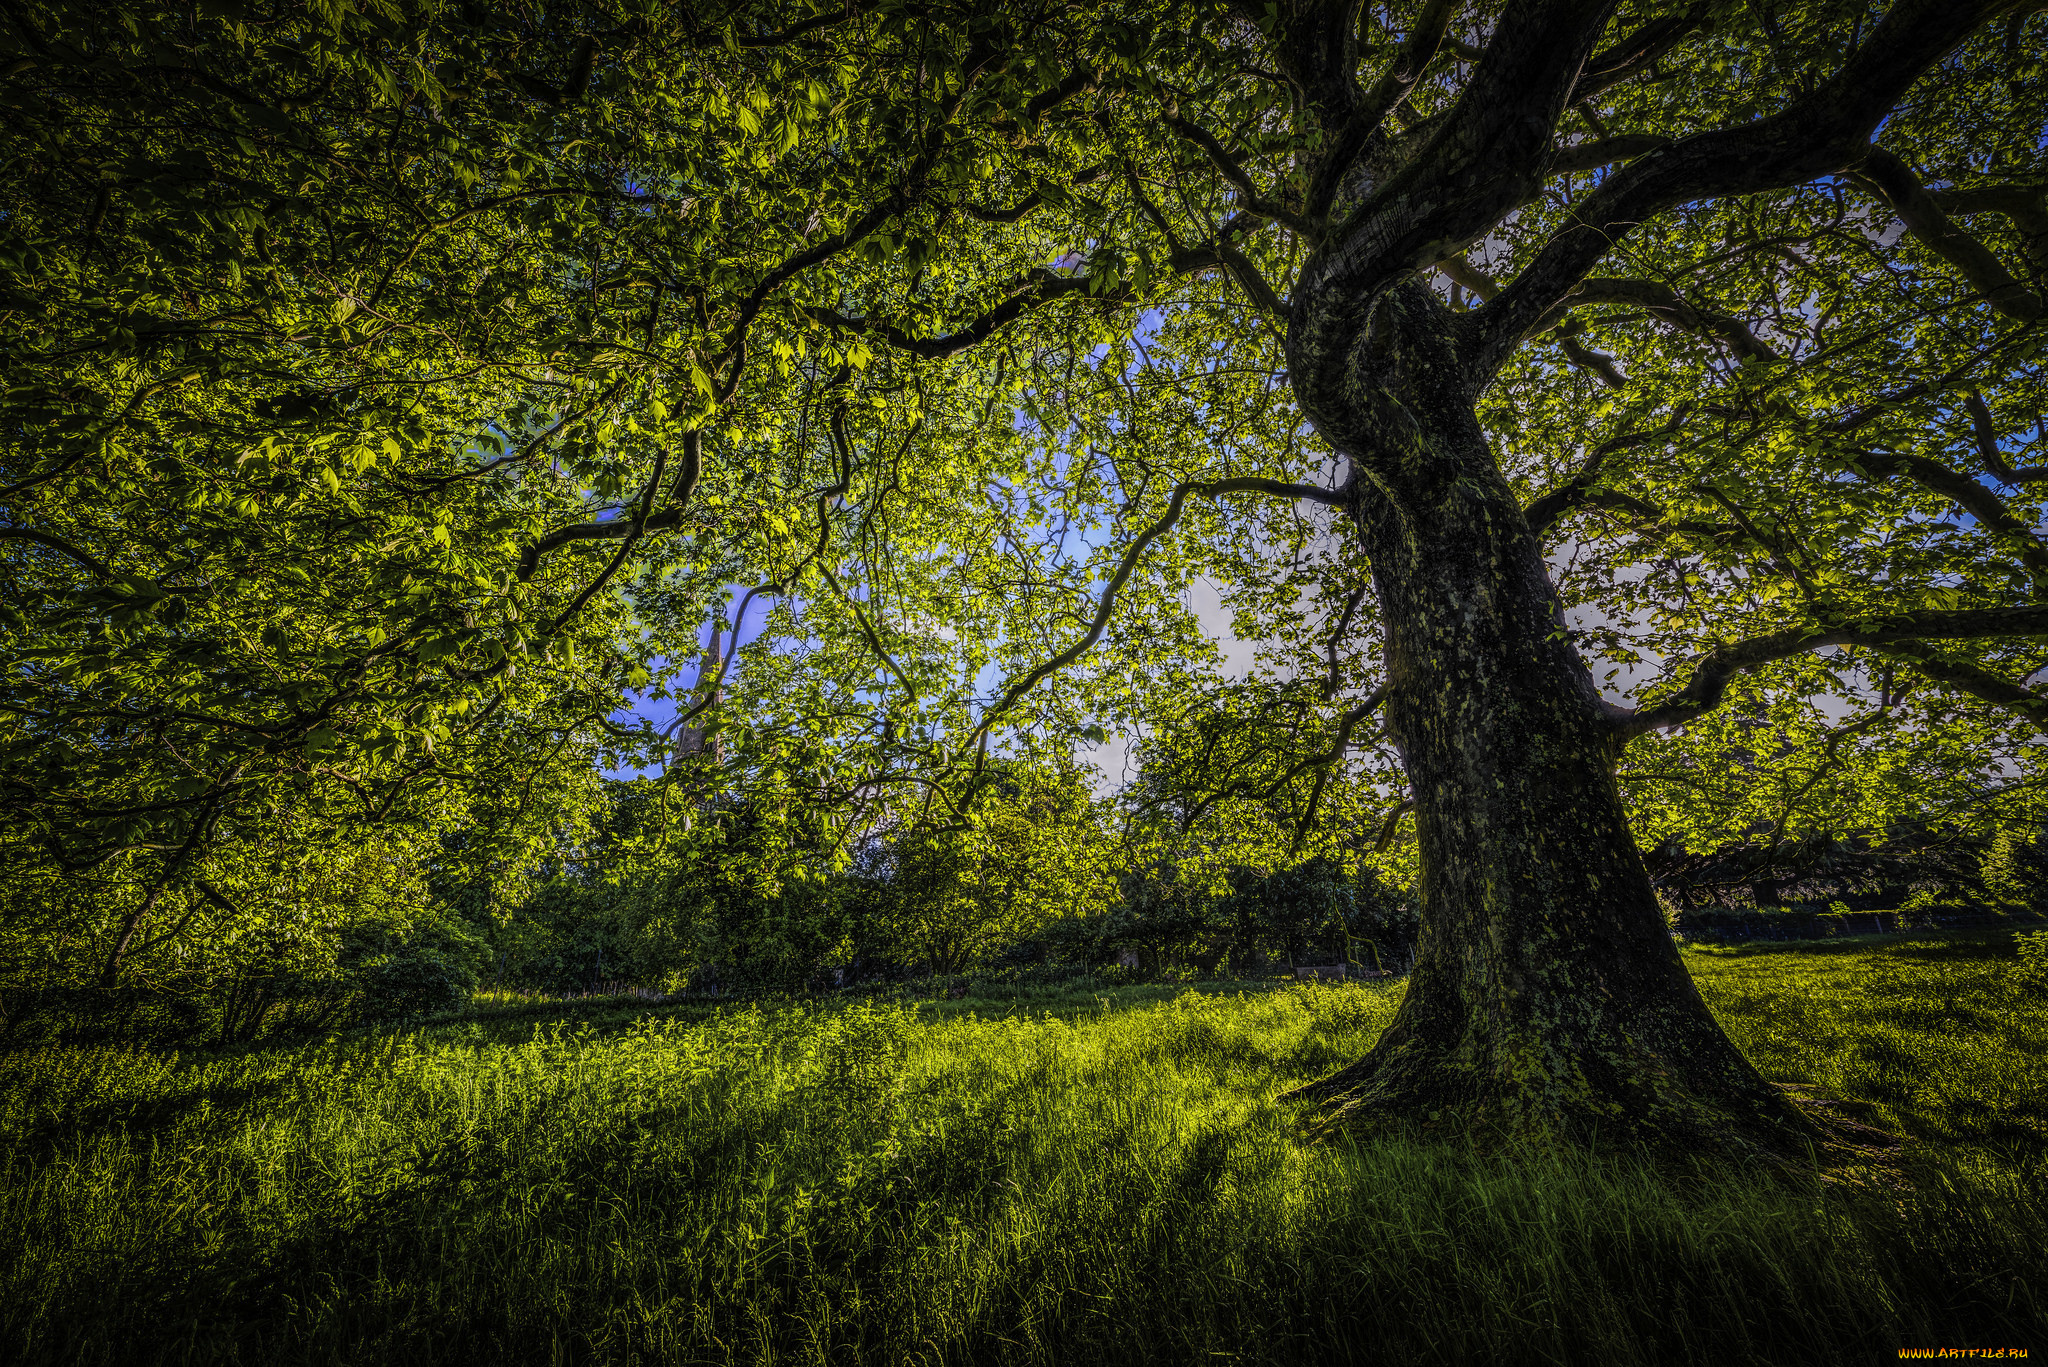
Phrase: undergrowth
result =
(1107, 1180)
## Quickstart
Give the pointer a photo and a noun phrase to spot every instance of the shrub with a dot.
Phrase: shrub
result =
(1385, 920)
(430, 968)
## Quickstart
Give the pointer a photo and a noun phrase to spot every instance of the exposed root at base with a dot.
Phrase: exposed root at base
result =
(1672, 1125)
(1819, 1137)
(1849, 1152)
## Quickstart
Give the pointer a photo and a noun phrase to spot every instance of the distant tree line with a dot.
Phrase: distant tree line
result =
(655, 884)
(677, 887)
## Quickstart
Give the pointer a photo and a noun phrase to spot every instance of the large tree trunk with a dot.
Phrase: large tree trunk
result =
(1547, 993)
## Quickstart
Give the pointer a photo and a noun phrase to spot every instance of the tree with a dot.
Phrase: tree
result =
(264, 349)
(979, 332)
(1032, 853)
(1761, 446)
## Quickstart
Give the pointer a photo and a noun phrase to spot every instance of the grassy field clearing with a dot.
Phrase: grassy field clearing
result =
(1067, 1177)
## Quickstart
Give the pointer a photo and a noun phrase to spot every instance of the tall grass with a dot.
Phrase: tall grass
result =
(878, 1184)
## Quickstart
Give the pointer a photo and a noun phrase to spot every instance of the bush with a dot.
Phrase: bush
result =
(127, 1016)
(431, 968)
(1782, 923)
(1385, 920)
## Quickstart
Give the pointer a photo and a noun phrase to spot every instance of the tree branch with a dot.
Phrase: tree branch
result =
(1395, 83)
(1979, 683)
(1315, 45)
(1891, 180)
(1609, 68)
(890, 206)
(1972, 497)
(210, 894)
(1482, 285)
(1598, 363)
(670, 516)
(637, 528)
(1249, 197)
(1822, 133)
(58, 544)
(1106, 604)
(1591, 156)
(1320, 761)
(799, 29)
(1017, 212)
(1711, 676)
(1392, 824)
(1985, 430)
(2025, 205)
(1042, 286)
(1663, 303)
(1351, 603)
(1252, 282)
(1482, 161)
(1544, 512)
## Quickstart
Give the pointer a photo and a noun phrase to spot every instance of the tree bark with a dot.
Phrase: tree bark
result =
(1547, 994)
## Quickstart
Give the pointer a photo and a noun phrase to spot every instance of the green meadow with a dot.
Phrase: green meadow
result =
(1069, 1175)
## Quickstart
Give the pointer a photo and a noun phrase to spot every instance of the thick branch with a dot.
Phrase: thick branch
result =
(1663, 303)
(1483, 160)
(798, 29)
(1315, 45)
(1252, 282)
(1711, 677)
(1392, 825)
(1248, 191)
(1042, 286)
(1985, 430)
(888, 208)
(1591, 156)
(670, 516)
(1078, 82)
(1979, 683)
(2025, 205)
(1972, 497)
(1413, 59)
(1597, 362)
(1896, 184)
(1482, 285)
(58, 544)
(1017, 212)
(1828, 130)
(1330, 681)
(1636, 53)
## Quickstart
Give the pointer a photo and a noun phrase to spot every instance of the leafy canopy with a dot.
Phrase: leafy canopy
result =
(391, 387)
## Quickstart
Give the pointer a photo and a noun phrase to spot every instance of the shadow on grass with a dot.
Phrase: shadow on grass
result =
(139, 1122)
(1119, 1193)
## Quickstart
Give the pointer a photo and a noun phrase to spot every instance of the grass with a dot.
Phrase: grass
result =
(1056, 1177)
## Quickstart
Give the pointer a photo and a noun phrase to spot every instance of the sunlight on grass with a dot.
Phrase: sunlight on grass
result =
(1106, 1179)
